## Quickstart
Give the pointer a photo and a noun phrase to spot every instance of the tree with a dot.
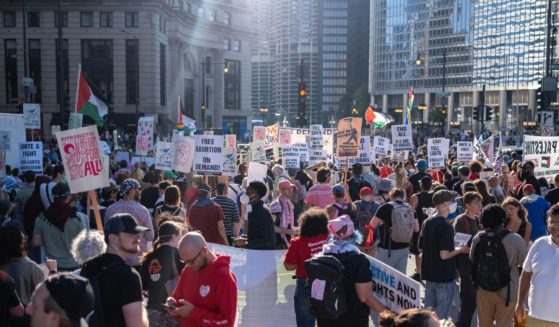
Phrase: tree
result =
(362, 98)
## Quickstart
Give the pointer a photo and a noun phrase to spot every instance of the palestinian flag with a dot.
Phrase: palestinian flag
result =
(184, 123)
(89, 102)
(407, 118)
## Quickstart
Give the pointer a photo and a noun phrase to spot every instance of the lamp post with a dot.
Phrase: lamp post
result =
(203, 105)
(137, 100)
(443, 97)
(264, 111)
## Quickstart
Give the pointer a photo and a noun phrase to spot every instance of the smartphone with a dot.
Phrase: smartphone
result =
(165, 305)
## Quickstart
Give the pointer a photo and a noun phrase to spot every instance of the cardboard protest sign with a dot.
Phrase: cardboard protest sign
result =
(392, 288)
(257, 172)
(183, 147)
(230, 155)
(82, 159)
(543, 151)
(290, 157)
(464, 152)
(12, 132)
(75, 120)
(208, 159)
(381, 145)
(122, 155)
(328, 137)
(137, 159)
(164, 155)
(32, 115)
(402, 138)
(258, 151)
(437, 151)
(284, 137)
(142, 145)
(316, 139)
(31, 157)
(399, 155)
(348, 138)
(145, 128)
(366, 153)
(259, 133)
(272, 133)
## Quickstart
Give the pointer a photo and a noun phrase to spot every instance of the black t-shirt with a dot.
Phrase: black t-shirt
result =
(120, 285)
(437, 235)
(552, 196)
(357, 269)
(384, 213)
(8, 298)
(355, 184)
(157, 269)
(458, 187)
(149, 197)
(415, 178)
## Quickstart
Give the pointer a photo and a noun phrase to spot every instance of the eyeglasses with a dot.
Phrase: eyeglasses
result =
(192, 261)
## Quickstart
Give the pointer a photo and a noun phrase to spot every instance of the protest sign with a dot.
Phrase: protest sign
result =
(392, 288)
(259, 133)
(142, 145)
(349, 135)
(402, 138)
(137, 159)
(230, 155)
(105, 148)
(75, 120)
(461, 239)
(299, 135)
(115, 139)
(272, 135)
(381, 145)
(82, 159)
(208, 159)
(316, 139)
(290, 157)
(32, 115)
(258, 151)
(31, 157)
(145, 128)
(328, 137)
(543, 151)
(284, 136)
(437, 151)
(183, 148)
(257, 172)
(303, 150)
(208, 132)
(315, 156)
(399, 155)
(122, 155)
(464, 152)
(12, 132)
(2, 162)
(164, 155)
(366, 153)
(55, 129)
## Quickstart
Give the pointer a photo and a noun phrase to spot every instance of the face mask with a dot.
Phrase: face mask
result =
(244, 199)
(368, 198)
(452, 207)
(411, 171)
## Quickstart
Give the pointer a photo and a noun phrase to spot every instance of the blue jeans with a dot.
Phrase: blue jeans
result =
(440, 298)
(302, 311)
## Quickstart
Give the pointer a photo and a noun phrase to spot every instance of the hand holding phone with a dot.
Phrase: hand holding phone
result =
(167, 306)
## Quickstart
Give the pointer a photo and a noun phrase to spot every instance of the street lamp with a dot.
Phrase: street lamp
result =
(418, 60)
(264, 111)
(204, 91)
(137, 100)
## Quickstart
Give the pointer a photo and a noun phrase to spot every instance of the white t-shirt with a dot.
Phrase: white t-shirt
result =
(542, 261)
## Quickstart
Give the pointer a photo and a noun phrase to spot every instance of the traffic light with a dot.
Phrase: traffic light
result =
(476, 113)
(302, 94)
(540, 98)
(488, 113)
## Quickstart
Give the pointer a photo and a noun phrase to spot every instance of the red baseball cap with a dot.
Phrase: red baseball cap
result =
(365, 191)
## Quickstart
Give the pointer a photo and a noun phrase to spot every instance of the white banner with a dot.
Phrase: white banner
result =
(328, 137)
(32, 115)
(208, 159)
(464, 152)
(299, 135)
(543, 151)
(183, 147)
(230, 155)
(437, 151)
(82, 159)
(31, 157)
(290, 157)
(381, 145)
(402, 138)
(164, 155)
(12, 132)
(75, 120)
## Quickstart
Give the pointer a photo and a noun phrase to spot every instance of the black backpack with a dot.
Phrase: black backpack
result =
(363, 217)
(328, 286)
(490, 267)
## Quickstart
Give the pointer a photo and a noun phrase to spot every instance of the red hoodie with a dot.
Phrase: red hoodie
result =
(212, 292)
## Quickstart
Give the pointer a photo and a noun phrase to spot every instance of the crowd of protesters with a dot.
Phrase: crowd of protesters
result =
(151, 263)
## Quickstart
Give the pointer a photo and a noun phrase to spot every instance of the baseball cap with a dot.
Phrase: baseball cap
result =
(123, 223)
(365, 191)
(73, 294)
(357, 165)
(422, 164)
(169, 175)
(61, 190)
(285, 185)
(443, 196)
(342, 227)
(338, 189)
(385, 185)
(127, 185)
(529, 188)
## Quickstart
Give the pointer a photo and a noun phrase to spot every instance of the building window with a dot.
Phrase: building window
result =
(227, 44)
(9, 19)
(132, 73)
(33, 19)
(86, 19)
(163, 74)
(211, 15)
(10, 60)
(131, 19)
(233, 84)
(64, 19)
(236, 45)
(226, 18)
(97, 64)
(189, 97)
(66, 67)
(105, 19)
(35, 66)
(208, 64)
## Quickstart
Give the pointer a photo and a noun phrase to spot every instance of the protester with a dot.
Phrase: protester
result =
(261, 234)
(87, 245)
(366, 209)
(117, 286)
(414, 179)
(280, 174)
(122, 170)
(150, 190)
(517, 220)
(314, 232)
(231, 218)
(207, 217)
(552, 195)
(242, 168)
(468, 224)
(507, 180)
(356, 182)
(137, 174)
(63, 300)
(463, 173)
(481, 188)
(206, 293)
(10, 305)
(495, 190)
(384, 188)
(160, 271)
(496, 268)
(416, 317)
(396, 223)
(171, 204)
(540, 278)
(527, 177)
(438, 264)
(23, 193)
(536, 206)
(45, 189)
(320, 194)
(356, 269)
(233, 189)
(282, 210)
(128, 204)
(340, 204)
(475, 170)
(108, 196)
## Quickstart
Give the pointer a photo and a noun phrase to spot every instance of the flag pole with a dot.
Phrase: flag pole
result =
(77, 88)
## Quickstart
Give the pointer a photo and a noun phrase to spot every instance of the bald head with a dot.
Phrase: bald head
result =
(194, 251)
(192, 241)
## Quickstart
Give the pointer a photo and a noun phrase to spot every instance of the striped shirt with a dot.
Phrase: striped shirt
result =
(319, 195)
(230, 213)
(205, 218)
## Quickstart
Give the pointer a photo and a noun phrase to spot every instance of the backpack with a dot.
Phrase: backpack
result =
(328, 286)
(97, 318)
(490, 267)
(402, 223)
(363, 217)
